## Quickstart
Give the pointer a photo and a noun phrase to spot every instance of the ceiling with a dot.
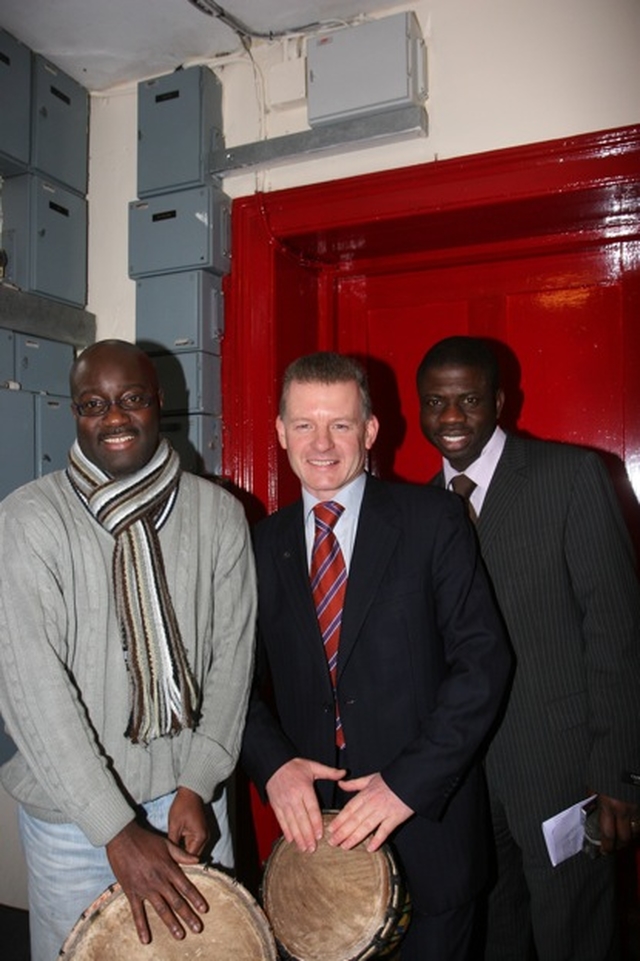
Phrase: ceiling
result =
(103, 43)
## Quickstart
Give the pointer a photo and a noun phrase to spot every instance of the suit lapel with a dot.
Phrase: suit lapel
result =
(376, 540)
(290, 559)
(509, 478)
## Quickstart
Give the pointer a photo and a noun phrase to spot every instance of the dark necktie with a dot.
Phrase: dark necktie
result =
(328, 585)
(464, 486)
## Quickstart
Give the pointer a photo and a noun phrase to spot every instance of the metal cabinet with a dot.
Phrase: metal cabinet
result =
(178, 312)
(17, 432)
(182, 230)
(15, 101)
(198, 440)
(190, 382)
(179, 125)
(54, 433)
(45, 236)
(59, 126)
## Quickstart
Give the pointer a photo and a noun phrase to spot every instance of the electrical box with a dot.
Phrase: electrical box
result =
(45, 237)
(183, 230)
(179, 125)
(55, 433)
(190, 382)
(16, 439)
(43, 365)
(177, 312)
(15, 105)
(372, 67)
(198, 440)
(60, 126)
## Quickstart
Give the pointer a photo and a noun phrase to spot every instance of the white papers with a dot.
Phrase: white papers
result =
(564, 832)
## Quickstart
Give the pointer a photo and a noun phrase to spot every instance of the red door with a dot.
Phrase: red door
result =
(536, 247)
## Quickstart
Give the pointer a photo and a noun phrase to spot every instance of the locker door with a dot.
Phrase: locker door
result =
(16, 439)
(54, 433)
(7, 360)
(43, 365)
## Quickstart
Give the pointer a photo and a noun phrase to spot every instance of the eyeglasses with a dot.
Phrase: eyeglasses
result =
(98, 407)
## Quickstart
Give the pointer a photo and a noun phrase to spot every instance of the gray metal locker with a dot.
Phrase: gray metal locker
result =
(182, 311)
(15, 105)
(7, 357)
(54, 432)
(60, 126)
(16, 439)
(43, 365)
(190, 382)
(197, 439)
(45, 236)
(184, 230)
(179, 125)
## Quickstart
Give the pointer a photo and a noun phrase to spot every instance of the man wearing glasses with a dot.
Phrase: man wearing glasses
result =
(127, 605)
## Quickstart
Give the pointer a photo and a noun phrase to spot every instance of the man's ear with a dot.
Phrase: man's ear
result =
(499, 401)
(371, 431)
(280, 431)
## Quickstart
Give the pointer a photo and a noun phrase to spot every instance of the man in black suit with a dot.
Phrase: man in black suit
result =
(561, 562)
(422, 663)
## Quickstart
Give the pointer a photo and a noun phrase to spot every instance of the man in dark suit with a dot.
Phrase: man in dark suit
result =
(422, 663)
(561, 563)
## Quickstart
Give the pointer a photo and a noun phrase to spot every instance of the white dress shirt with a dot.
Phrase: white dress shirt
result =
(482, 469)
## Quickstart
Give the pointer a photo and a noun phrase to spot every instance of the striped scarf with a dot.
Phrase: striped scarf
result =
(132, 509)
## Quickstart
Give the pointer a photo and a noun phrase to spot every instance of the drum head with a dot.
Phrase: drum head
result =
(234, 927)
(332, 905)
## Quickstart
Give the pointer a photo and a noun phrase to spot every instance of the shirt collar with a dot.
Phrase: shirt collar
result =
(350, 496)
(481, 470)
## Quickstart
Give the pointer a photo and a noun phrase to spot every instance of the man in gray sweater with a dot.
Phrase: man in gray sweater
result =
(127, 605)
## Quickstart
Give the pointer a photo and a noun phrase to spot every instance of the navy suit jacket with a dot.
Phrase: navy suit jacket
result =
(422, 669)
(561, 562)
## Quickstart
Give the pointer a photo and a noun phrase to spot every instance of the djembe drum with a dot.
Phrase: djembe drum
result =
(333, 904)
(234, 928)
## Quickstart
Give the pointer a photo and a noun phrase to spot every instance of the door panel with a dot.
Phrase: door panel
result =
(559, 332)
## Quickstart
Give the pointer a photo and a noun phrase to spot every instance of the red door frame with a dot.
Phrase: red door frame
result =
(291, 248)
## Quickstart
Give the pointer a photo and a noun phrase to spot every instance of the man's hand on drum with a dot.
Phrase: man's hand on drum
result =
(374, 810)
(147, 866)
(294, 801)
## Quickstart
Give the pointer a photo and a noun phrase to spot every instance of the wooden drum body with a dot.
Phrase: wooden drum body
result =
(234, 927)
(334, 905)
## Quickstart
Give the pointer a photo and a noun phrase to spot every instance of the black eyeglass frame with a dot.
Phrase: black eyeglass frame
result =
(99, 407)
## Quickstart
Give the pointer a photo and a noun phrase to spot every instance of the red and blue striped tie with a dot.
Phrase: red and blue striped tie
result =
(328, 585)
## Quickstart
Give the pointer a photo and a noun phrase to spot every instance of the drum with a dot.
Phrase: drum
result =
(234, 927)
(334, 905)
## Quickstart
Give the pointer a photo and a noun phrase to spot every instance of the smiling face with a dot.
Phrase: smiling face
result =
(458, 411)
(325, 434)
(120, 442)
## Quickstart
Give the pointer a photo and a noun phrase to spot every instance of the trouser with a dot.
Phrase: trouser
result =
(566, 913)
(66, 873)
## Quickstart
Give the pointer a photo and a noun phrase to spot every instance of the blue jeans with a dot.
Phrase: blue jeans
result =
(66, 873)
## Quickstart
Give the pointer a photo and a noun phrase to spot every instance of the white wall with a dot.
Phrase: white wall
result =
(502, 73)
